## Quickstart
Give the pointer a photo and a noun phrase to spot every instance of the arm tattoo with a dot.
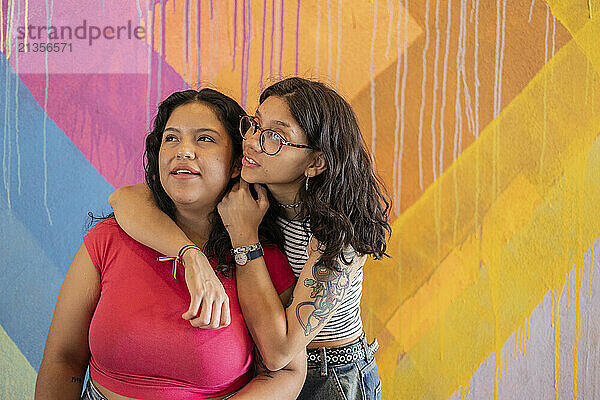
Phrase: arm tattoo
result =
(328, 290)
(76, 379)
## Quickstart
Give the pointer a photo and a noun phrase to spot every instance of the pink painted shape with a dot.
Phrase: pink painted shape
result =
(117, 48)
(104, 115)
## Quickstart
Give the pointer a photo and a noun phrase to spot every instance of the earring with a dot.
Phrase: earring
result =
(306, 183)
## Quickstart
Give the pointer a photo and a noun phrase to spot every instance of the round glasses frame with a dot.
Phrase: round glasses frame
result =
(255, 126)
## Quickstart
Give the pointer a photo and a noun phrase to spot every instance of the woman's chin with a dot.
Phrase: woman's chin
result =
(250, 175)
(185, 199)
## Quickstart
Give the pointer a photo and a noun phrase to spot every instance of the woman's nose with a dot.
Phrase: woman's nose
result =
(185, 155)
(185, 151)
(253, 141)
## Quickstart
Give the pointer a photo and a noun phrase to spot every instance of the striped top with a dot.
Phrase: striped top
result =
(346, 320)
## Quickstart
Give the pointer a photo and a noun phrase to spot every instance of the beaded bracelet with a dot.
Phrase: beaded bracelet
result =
(179, 257)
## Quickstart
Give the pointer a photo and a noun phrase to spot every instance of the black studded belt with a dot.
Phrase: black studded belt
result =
(348, 353)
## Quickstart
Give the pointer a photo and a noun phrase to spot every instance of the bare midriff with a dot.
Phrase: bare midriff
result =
(333, 343)
(113, 396)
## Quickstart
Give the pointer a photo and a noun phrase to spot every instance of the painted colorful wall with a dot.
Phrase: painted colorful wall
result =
(483, 118)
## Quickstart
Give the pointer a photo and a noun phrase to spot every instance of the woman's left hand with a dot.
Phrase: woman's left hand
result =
(241, 214)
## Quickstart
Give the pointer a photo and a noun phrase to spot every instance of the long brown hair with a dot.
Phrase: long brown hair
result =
(346, 204)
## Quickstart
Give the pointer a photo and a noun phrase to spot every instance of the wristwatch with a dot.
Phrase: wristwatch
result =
(244, 254)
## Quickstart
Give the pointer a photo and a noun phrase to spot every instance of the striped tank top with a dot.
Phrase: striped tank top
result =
(346, 321)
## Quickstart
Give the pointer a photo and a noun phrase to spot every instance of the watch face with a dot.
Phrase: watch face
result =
(241, 258)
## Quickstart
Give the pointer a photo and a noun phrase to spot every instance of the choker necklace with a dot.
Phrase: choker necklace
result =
(293, 205)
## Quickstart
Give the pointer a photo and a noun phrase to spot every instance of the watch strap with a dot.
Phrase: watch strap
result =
(244, 254)
(255, 254)
(246, 249)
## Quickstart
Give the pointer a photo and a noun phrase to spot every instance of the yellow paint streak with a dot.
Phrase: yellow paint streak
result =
(491, 280)
(496, 381)
(522, 343)
(516, 342)
(584, 35)
(418, 313)
(523, 338)
(434, 297)
(456, 211)
(572, 14)
(578, 277)
(17, 376)
(552, 310)
(578, 284)
(438, 217)
(9, 26)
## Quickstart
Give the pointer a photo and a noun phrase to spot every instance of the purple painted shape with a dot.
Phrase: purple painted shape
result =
(262, 49)
(104, 115)
(187, 29)
(244, 40)
(199, 42)
(248, 44)
(281, 40)
(272, 36)
(163, 29)
(85, 40)
(297, 33)
(235, 7)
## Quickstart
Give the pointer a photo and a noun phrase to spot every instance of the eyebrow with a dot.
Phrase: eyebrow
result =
(197, 130)
(276, 122)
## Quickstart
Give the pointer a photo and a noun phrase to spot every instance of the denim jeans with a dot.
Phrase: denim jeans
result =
(91, 393)
(352, 381)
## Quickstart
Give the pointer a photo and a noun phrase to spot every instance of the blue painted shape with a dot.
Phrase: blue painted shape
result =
(35, 252)
(28, 290)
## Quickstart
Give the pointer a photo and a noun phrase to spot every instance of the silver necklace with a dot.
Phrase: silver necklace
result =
(293, 205)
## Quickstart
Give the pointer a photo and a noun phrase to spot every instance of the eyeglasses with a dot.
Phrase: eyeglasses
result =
(270, 140)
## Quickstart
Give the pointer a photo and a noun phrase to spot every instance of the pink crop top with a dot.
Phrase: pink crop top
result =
(141, 347)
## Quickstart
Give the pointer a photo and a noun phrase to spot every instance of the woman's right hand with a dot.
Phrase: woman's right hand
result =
(207, 294)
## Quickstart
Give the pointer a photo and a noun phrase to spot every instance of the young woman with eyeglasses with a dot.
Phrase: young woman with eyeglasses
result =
(305, 146)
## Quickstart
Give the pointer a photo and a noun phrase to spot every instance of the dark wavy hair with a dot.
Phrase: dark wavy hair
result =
(347, 203)
(228, 111)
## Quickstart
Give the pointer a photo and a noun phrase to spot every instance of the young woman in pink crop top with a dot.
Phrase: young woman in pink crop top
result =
(119, 309)
(305, 151)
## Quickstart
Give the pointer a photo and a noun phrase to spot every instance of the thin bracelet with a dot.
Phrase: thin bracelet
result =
(179, 257)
